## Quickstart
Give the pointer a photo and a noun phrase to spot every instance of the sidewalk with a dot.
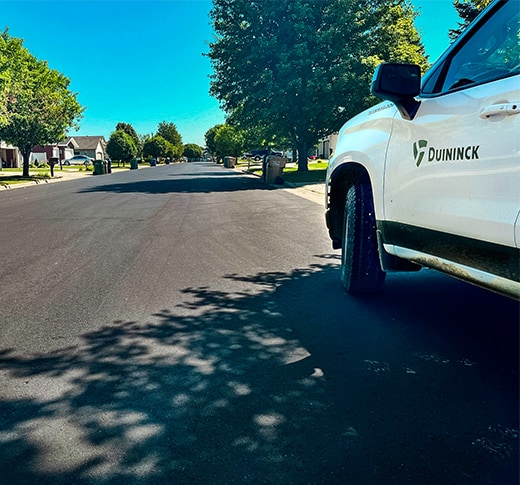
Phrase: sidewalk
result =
(310, 191)
(313, 192)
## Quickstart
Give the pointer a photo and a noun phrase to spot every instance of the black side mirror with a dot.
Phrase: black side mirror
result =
(399, 83)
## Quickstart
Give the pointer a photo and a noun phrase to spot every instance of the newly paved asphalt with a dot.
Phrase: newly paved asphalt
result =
(185, 324)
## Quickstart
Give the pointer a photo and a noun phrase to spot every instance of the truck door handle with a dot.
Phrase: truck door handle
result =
(508, 109)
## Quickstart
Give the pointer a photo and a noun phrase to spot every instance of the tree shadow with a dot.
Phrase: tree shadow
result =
(206, 182)
(266, 384)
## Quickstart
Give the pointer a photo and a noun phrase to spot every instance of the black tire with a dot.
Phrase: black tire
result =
(360, 266)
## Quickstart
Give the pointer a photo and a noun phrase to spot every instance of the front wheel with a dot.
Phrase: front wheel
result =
(360, 266)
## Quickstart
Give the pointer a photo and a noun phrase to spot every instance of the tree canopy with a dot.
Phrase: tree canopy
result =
(300, 68)
(192, 151)
(156, 146)
(209, 138)
(121, 146)
(169, 132)
(468, 11)
(36, 105)
(129, 129)
(229, 141)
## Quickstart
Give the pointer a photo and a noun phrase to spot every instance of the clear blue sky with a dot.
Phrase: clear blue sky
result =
(140, 61)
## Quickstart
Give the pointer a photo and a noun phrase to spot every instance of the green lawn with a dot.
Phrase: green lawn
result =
(316, 174)
(12, 176)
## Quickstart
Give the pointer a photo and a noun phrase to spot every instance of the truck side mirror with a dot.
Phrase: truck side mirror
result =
(399, 83)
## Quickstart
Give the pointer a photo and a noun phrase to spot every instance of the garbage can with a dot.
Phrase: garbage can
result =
(274, 169)
(229, 162)
(99, 167)
(109, 165)
(153, 162)
(134, 165)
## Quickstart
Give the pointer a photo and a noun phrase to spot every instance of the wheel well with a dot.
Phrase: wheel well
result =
(342, 179)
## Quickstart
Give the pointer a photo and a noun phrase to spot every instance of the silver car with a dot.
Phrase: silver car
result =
(78, 160)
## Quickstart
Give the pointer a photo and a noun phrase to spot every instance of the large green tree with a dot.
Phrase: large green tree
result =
(209, 138)
(121, 146)
(129, 129)
(300, 68)
(169, 132)
(156, 146)
(36, 105)
(192, 151)
(229, 141)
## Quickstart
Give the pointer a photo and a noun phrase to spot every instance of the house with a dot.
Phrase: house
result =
(327, 146)
(60, 151)
(91, 146)
(10, 156)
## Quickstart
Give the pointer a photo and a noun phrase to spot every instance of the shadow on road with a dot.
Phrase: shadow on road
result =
(192, 183)
(287, 381)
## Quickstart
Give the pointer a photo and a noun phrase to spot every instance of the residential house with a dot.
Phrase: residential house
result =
(10, 156)
(59, 151)
(91, 146)
(327, 146)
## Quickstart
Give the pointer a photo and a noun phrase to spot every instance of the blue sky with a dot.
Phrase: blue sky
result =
(140, 61)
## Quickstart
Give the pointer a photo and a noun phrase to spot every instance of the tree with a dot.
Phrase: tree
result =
(10, 53)
(156, 147)
(229, 141)
(192, 151)
(39, 108)
(121, 146)
(129, 129)
(300, 68)
(169, 132)
(468, 11)
(209, 138)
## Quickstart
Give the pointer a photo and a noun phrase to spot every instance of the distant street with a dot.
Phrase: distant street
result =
(185, 324)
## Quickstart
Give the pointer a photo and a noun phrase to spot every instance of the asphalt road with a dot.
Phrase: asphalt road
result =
(185, 324)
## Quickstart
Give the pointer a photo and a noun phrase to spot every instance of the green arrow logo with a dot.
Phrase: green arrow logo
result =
(419, 149)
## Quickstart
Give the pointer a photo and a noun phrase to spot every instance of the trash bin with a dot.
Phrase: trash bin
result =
(99, 167)
(134, 164)
(230, 162)
(109, 165)
(153, 162)
(274, 169)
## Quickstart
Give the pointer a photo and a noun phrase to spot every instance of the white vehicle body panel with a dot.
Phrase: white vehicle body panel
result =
(468, 179)
(364, 140)
(445, 178)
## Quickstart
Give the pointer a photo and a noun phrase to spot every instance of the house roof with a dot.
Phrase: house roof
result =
(89, 142)
(69, 142)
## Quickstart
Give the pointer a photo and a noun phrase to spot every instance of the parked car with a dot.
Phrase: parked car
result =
(431, 176)
(78, 160)
(259, 154)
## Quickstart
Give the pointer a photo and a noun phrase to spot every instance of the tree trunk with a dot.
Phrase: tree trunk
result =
(303, 148)
(26, 153)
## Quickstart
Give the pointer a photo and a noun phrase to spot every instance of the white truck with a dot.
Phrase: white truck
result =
(431, 176)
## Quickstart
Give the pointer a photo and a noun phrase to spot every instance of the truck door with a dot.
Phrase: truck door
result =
(452, 176)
